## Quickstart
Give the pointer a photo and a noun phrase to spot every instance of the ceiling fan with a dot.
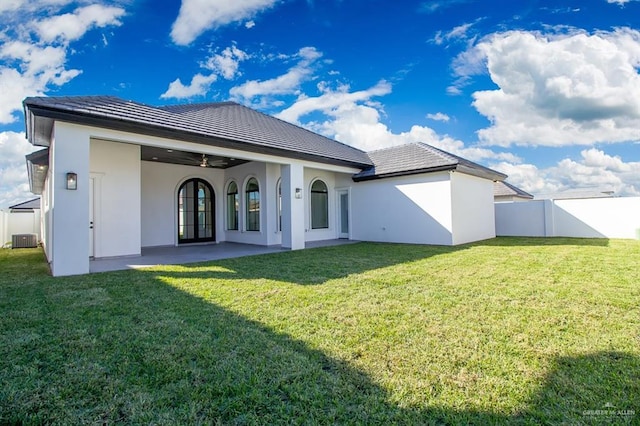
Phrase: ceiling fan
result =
(204, 162)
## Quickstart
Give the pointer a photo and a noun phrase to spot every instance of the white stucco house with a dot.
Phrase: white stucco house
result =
(116, 176)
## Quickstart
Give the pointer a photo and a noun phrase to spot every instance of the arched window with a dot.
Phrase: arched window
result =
(252, 205)
(319, 205)
(196, 203)
(233, 203)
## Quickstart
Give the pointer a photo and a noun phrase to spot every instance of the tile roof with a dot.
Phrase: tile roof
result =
(27, 205)
(416, 158)
(225, 124)
(231, 125)
(505, 189)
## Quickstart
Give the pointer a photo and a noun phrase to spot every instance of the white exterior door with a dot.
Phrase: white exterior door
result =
(343, 214)
(91, 216)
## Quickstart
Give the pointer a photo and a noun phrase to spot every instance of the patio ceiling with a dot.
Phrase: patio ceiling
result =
(172, 156)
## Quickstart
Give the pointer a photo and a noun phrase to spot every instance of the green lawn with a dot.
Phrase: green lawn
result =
(511, 330)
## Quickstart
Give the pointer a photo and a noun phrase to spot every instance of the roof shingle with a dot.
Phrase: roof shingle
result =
(505, 189)
(416, 158)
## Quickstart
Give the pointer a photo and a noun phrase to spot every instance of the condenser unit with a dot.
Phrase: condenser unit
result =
(24, 241)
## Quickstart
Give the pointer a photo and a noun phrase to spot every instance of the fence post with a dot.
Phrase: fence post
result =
(549, 222)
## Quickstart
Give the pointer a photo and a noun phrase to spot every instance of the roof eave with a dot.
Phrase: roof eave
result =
(481, 173)
(38, 127)
(357, 178)
(36, 174)
(37, 169)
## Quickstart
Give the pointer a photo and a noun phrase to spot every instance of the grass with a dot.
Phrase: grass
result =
(511, 330)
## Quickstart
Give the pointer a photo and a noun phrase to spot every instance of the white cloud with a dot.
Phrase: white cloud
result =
(595, 158)
(528, 177)
(435, 5)
(10, 5)
(250, 24)
(619, 2)
(33, 56)
(355, 119)
(199, 86)
(331, 100)
(33, 62)
(36, 69)
(439, 116)
(288, 83)
(468, 63)
(352, 117)
(595, 171)
(360, 126)
(72, 26)
(457, 33)
(558, 89)
(197, 16)
(226, 63)
(31, 5)
(14, 184)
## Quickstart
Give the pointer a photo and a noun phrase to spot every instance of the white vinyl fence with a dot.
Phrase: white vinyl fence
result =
(27, 222)
(588, 218)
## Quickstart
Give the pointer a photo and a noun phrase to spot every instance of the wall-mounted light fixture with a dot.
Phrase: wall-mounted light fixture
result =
(298, 192)
(72, 181)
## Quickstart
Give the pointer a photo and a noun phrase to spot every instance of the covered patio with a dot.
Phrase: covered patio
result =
(176, 255)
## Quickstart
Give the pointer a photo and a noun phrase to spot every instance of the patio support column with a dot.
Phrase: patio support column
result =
(292, 207)
(69, 247)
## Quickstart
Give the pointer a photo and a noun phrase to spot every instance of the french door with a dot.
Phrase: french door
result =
(196, 207)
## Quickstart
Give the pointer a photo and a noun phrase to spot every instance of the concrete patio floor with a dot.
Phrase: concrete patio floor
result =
(152, 256)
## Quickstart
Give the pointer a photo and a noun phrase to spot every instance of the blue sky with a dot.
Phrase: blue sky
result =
(546, 92)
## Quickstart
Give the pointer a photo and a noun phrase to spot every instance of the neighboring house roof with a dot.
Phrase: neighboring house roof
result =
(505, 189)
(27, 205)
(417, 158)
(224, 124)
(576, 194)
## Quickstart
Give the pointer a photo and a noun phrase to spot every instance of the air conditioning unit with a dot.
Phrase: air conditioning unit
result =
(24, 241)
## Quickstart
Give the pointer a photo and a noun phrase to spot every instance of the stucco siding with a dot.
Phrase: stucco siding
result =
(115, 169)
(160, 185)
(47, 217)
(69, 243)
(329, 178)
(472, 208)
(412, 209)
(241, 174)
